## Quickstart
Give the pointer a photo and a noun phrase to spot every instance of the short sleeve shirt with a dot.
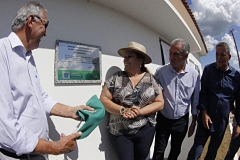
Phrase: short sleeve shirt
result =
(121, 89)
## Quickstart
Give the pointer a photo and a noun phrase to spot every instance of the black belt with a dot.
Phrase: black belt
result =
(14, 155)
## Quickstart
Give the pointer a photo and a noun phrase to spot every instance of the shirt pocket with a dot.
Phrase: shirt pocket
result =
(186, 90)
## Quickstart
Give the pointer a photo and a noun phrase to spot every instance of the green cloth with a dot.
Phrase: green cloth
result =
(91, 118)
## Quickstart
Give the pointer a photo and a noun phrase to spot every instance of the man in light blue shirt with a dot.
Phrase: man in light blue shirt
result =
(181, 85)
(24, 105)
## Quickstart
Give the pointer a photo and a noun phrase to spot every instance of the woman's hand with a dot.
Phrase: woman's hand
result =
(129, 113)
(137, 110)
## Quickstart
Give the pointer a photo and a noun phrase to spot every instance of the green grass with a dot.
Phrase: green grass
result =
(222, 151)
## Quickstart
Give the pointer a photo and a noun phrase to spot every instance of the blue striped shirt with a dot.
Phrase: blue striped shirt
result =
(180, 91)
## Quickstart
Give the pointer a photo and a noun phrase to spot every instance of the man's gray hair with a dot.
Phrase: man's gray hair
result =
(225, 45)
(19, 20)
(186, 46)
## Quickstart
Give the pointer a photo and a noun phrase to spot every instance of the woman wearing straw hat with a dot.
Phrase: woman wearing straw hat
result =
(132, 97)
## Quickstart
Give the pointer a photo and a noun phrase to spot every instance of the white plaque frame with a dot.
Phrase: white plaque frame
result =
(77, 63)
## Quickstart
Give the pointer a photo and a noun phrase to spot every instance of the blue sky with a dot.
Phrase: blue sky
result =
(215, 19)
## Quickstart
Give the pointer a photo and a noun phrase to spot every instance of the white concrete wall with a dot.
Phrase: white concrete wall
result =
(196, 59)
(89, 23)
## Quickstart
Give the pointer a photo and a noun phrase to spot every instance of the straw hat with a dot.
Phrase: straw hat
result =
(136, 48)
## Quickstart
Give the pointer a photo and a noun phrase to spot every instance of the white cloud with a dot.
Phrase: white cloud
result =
(210, 42)
(234, 62)
(216, 16)
(229, 40)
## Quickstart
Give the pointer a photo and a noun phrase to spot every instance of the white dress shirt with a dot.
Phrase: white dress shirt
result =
(23, 103)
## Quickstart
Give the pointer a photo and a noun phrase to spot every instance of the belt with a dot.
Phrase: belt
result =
(14, 155)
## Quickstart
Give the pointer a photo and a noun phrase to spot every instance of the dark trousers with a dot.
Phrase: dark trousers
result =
(177, 128)
(201, 138)
(233, 148)
(134, 146)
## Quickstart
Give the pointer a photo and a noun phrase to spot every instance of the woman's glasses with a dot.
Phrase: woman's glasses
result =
(135, 94)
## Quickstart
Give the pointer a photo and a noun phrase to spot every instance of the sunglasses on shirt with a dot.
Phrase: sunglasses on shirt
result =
(135, 94)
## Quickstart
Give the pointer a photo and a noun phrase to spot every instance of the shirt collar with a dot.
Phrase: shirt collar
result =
(185, 70)
(16, 42)
(228, 68)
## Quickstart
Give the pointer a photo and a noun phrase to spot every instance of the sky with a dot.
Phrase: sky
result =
(215, 19)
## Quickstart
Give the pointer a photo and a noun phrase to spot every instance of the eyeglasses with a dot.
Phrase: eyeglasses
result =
(135, 94)
(42, 19)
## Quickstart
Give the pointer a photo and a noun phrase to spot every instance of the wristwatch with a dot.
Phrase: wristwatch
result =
(122, 110)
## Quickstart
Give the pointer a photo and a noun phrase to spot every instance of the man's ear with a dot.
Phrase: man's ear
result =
(29, 22)
(229, 56)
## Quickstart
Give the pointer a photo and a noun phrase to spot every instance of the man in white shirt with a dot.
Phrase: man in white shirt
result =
(24, 105)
